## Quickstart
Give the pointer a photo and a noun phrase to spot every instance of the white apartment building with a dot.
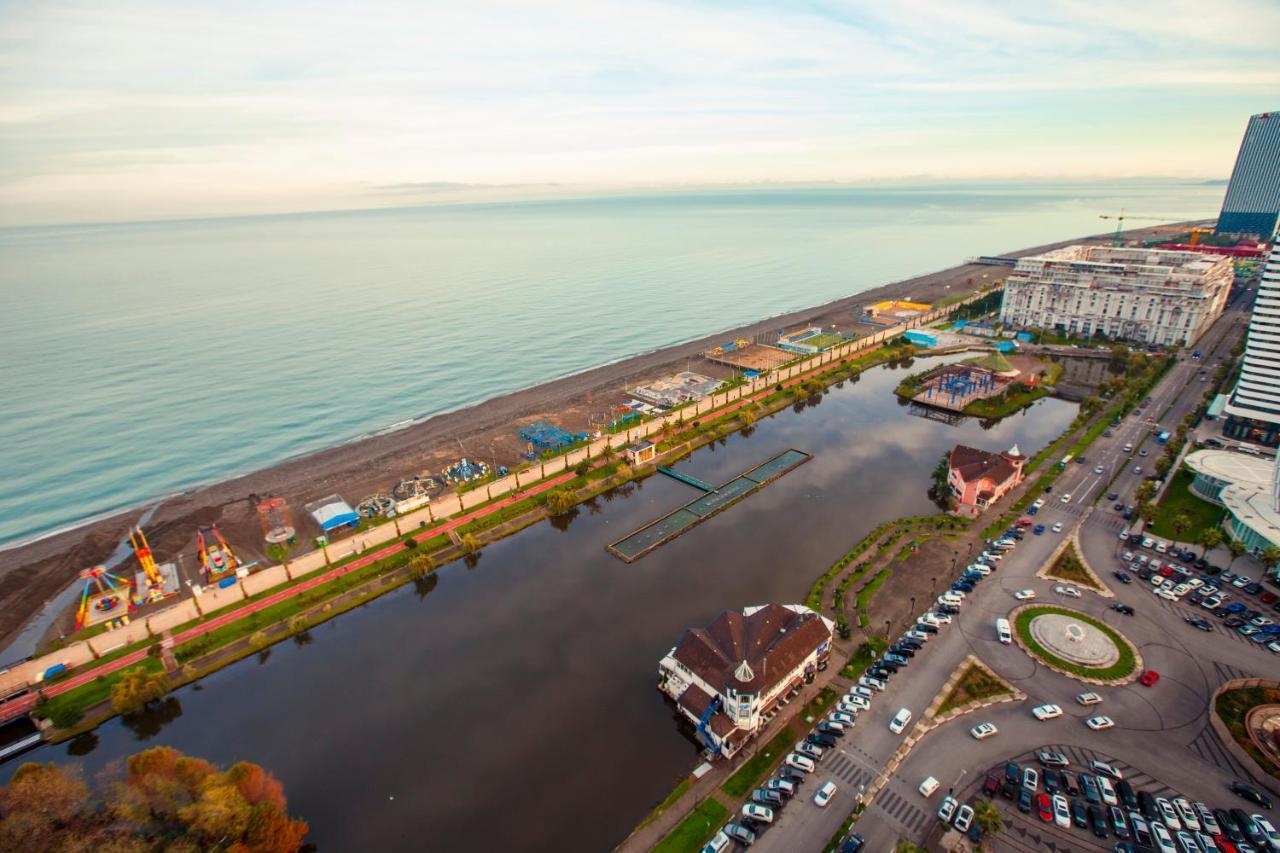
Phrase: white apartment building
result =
(1253, 410)
(731, 677)
(1154, 296)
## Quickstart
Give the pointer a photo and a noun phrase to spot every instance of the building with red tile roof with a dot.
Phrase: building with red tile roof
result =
(732, 676)
(979, 478)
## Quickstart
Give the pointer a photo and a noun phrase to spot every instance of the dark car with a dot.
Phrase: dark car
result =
(1122, 608)
(1250, 793)
(1024, 799)
(853, 843)
(823, 740)
(1228, 825)
(949, 609)
(902, 652)
(1069, 783)
(1197, 622)
(1013, 772)
(1052, 781)
(975, 834)
(991, 785)
(1145, 573)
(791, 774)
(1245, 823)
(1187, 557)
(1123, 577)
(830, 730)
(1097, 821)
(1009, 790)
(1078, 814)
(1119, 825)
(927, 628)
(1253, 588)
(1147, 805)
(910, 643)
(1113, 495)
(1089, 787)
(1125, 792)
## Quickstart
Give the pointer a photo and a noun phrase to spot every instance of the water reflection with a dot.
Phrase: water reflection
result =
(385, 725)
(148, 722)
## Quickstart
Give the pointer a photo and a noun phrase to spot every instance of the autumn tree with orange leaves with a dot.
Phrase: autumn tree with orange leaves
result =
(166, 801)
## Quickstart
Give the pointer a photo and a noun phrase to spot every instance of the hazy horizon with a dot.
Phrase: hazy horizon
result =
(149, 111)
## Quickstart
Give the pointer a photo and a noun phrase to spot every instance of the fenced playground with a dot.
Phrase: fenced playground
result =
(546, 436)
(956, 386)
(635, 545)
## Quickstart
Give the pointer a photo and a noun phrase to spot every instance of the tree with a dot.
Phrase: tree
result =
(470, 544)
(1145, 492)
(1163, 464)
(1237, 549)
(905, 846)
(1270, 557)
(1211, 538)
(1181, 524)
(988, 817)
(1147, 512)
(420, 566)
(136, 689)
(746, 416)
(560, 501)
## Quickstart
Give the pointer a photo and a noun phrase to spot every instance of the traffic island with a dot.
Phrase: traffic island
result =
(1069, 565)
(1246, 718)
(971, 687)
(1079, 646)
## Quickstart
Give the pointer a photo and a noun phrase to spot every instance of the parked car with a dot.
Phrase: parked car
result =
(947, 810)
(1250, 793)
(964, 818)
(755, 811)
(824, 794)
(1052, 759)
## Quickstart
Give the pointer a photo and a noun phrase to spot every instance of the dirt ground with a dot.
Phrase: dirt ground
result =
(33, 573)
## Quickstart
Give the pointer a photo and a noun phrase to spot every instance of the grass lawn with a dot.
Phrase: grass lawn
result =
(1233, 705)
(867, 652)
(1177, 499)
(692, 832)
(676, 793)
(1068, 567)
(754, 768)
(1004, 404)
(66, 709)
(975, 684)
(823, 341)
(1120, 669)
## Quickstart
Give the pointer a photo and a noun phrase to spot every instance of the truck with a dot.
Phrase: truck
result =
(1162, 438)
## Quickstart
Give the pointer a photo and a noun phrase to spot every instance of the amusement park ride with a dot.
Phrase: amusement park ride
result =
(217, 560)
(154, 582)
(107, 597)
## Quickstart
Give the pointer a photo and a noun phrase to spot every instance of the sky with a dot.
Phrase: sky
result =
(141, 110)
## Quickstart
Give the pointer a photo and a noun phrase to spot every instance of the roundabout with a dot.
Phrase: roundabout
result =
(1076, 645)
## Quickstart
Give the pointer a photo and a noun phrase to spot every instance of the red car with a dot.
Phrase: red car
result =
(1267, 598)
(1149, 678)
(1225, 844)
(1025, 522)
(1044, 807)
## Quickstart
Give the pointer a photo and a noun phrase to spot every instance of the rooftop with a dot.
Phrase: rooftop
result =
(1231, 467)
(771, 640)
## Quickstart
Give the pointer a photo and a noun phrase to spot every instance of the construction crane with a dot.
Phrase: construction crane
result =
(1115, 241)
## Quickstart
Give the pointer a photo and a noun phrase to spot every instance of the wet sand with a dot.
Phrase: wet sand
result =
(32, 574)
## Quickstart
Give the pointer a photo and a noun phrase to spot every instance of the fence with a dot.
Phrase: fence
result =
(84, 651)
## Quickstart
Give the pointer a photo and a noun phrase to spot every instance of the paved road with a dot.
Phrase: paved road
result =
(1161, 731)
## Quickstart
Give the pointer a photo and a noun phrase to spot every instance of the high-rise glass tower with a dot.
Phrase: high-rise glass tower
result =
(1253, 411)
(1252, 204)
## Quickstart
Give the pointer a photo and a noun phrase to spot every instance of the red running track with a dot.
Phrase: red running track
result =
(24, 704)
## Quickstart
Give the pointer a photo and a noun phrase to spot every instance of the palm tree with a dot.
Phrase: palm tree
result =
(1237, 549)
(1147, 512)
(988, 817)
(1270, 556)
(1181, 524)
(1211, 538)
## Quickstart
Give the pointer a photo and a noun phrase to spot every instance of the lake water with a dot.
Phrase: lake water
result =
(136, 360)
(513, 705)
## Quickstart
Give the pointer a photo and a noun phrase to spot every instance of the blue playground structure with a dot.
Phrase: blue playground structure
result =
(957, 383)
(545, 436)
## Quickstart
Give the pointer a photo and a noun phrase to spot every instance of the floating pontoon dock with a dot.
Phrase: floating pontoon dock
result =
(635, 545)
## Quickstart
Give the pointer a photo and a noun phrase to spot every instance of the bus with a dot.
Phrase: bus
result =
(1066, 460)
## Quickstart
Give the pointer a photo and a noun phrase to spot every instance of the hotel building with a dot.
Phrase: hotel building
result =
(1152, 296)
(1253, 409)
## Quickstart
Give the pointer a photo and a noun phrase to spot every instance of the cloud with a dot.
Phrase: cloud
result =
(141, 108)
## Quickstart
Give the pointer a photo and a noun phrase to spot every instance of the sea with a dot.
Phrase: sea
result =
(139, 360)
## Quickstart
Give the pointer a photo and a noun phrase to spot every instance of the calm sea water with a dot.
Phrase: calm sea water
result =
(140, 359)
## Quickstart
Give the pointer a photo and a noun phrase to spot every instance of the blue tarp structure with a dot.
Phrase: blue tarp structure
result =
(1006, 346)
(333, 512)
(1025, 337)
(919, 338)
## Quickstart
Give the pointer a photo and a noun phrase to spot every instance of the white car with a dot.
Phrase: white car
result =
(842, 718)
(1102, 768)
(941, 619)
(1164, 841)
(1107, 791)
(1066, 499)
(755, 811)
(1268, 829)
(800, 762)
(1061, 814)
(947, 810)
(1046, 712)
(1057, 527)
(1068, 591)
(1087, 699)
(964, 818)
(1100, 723)
(982, 731)
(1025, 594)
(872, 682)
(859, 702)
(824, 795)
(1098, 469)
(1167, 812)
(1186, 813)
(1037, 503)
(846, 707)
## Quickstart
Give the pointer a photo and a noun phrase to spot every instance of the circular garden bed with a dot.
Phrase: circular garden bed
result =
(1124, 668)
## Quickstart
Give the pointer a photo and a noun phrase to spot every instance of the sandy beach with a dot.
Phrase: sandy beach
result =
(31, 574)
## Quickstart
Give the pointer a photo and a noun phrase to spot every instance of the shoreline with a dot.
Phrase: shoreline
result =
(34, 572)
